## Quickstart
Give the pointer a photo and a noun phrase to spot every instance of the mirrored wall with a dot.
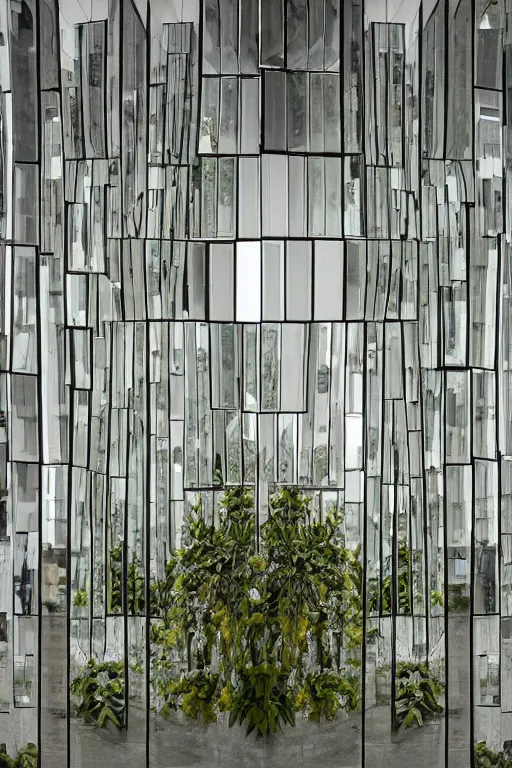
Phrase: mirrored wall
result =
(255, 388)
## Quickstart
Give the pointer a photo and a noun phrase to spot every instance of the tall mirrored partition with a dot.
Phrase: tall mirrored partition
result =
(255, 383)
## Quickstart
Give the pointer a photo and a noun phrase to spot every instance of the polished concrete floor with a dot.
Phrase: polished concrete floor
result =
(179, 744)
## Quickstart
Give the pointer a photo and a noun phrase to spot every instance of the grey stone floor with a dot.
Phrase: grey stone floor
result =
(175, 744)
(183, 744)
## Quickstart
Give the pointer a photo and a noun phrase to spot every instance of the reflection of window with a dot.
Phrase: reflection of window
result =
(461, 568)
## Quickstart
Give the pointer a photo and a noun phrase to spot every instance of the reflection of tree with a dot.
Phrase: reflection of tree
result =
(226, 182)
(234, 461)
(249, 461)
(24, 589)
(486, 571)
(321, 462)
(133, 583)
(209, 173)
(270, 368)
(228, 336)
(286, 452)
(380, 593)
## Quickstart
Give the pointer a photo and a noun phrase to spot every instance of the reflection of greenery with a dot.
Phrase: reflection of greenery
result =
(486, 758)
(194, 694)
(436, 598)
(382, 589)
(100, 688)
(26, 758)
(135, 586)
(321, 461)
(263, 632)
(262, 698)
(323, 693)
(458, 602)
(80, 599)
(209, 203)
(403, 589)
(417, 693)
(52, 606)
(267, 614)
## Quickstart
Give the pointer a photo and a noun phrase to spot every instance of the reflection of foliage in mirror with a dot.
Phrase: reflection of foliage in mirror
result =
(27, 757)
(375, 586)
(80, 599)
(323, 695)
(195, 694)
(486, 758)
(262, 698)
(458, 602)
(100, 688)
(52, 606)
(436, 598)
(417, 694)
(209, 572)
(281, 620)
(135, 587)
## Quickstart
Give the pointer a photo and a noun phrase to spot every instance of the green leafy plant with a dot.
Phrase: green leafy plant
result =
(486, 758)
(436, 598)
(325, 694)
(100, 688)
(264, 631)
(80, 599)
(26, 758)
(263, 699)
(281, 619)
(116, 578)
(314, 583)
(195, 695)
(417, 694)
(135, 583)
